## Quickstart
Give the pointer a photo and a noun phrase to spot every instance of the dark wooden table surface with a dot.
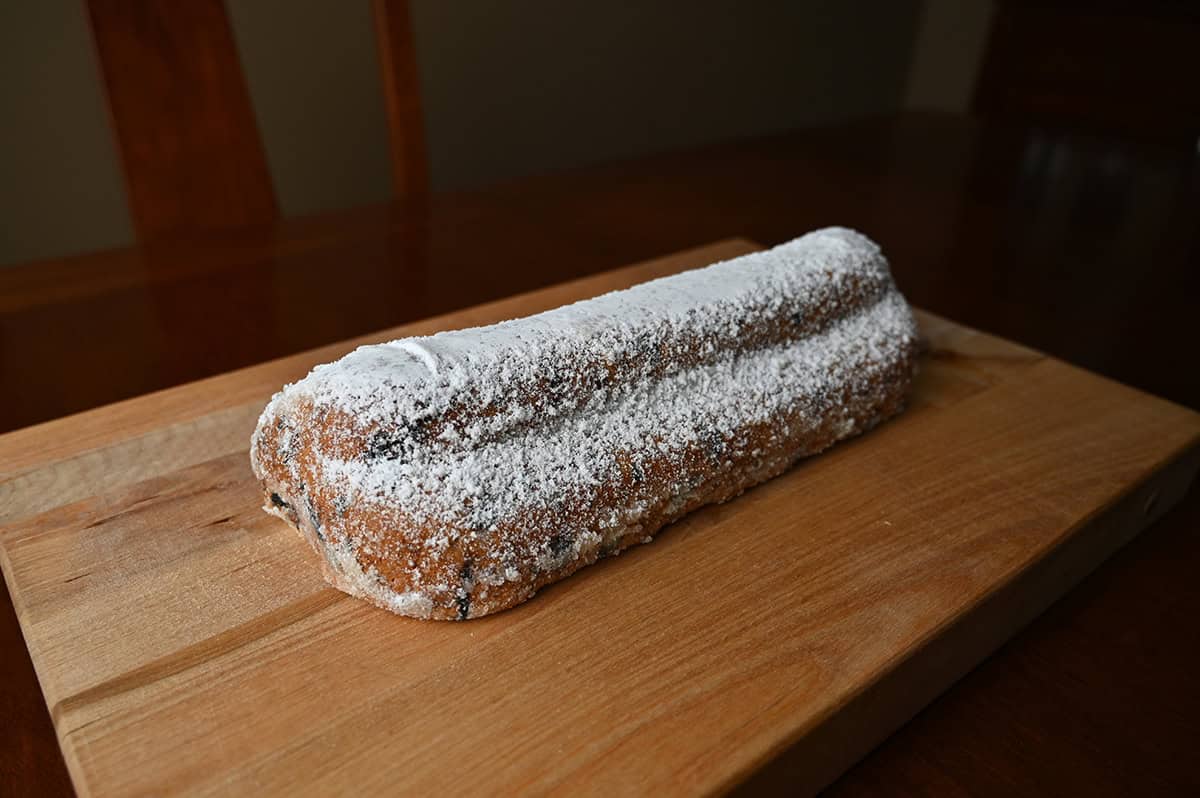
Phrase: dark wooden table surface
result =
(1085, 247)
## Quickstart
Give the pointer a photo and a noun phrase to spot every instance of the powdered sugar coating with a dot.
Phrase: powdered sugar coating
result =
(500, 446)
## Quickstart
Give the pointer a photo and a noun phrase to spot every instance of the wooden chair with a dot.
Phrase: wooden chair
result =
(189, 145)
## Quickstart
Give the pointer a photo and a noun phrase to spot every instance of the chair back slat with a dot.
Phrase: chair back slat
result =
(185, 129)
(402, 97)
(189, 143)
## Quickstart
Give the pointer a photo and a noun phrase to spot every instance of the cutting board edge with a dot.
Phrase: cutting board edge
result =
(817, 756)
(39, 671)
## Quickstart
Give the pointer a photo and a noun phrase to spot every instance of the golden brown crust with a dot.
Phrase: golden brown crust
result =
(462, 596)
(454, 476)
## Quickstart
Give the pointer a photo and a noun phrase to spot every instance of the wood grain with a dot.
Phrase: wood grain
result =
(402, 98)
(190, 150)
(184, 641)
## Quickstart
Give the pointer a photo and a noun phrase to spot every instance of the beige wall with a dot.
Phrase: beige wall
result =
(519, 86)
(60, 188)
(510, 87)
(951, 40)
(317, 94)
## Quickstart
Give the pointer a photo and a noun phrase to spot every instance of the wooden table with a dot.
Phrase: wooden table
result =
(1081, 247)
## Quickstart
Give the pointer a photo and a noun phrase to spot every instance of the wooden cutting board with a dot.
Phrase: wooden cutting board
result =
(185, 642)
